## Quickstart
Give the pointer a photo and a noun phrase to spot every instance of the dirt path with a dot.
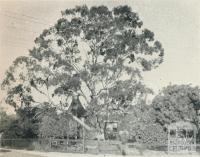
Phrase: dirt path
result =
(24, 153)
(11, 153)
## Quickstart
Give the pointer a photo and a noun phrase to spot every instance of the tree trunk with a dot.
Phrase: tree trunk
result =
(81, 123)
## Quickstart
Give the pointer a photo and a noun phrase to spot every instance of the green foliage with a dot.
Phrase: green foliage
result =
(142, 128)
(148, 124)
(23, 125)
(152, 135)
(116, 50)
(137, 116)
(59, 126)
(4, 120)
(177, 102)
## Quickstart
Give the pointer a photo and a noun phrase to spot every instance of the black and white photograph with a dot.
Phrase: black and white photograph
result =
(105, 78)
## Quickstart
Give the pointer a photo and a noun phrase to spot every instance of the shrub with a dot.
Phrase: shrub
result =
(151, 135)
(142, 127)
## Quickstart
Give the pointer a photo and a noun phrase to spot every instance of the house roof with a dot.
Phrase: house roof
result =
(183, 125)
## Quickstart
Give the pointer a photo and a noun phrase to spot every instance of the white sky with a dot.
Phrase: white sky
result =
(176, 23)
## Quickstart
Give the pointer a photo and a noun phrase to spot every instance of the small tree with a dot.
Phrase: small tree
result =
(22, 125)
(4, 120)
(177, 102)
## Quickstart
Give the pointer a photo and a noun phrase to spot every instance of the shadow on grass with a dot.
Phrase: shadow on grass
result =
(4, 150)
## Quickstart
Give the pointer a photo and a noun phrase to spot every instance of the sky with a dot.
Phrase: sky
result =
(176, 23)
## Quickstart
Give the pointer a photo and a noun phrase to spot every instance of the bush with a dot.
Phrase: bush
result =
(142, 127)
(151, 135)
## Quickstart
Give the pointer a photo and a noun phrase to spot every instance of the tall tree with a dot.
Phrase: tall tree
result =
(95, 53)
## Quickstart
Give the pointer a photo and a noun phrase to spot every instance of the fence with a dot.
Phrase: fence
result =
(28, 144)
(63, 145)
(82, 146)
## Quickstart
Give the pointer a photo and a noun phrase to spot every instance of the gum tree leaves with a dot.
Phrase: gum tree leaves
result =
(91, 52)
(177, 102)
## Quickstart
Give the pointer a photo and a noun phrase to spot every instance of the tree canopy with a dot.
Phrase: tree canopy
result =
(95, 53)
(148, 124)
(177, 102)
(142, 126)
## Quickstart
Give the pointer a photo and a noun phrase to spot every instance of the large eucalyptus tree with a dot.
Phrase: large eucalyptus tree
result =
(96, 54)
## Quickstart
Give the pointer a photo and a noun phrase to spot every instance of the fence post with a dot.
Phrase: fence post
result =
(67, 141)
(11, 143)
(83, 133)
(83, 140)
(50, 142)
(98, 146)
(0, 140)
